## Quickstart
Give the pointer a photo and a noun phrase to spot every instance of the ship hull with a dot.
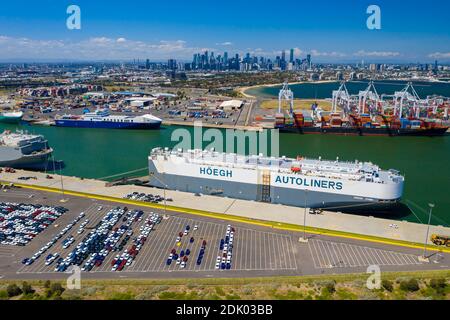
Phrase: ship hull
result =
(247, 187)
(12, 120)
(107, 124)
(355, 131)
(252, 192)
(31, 162)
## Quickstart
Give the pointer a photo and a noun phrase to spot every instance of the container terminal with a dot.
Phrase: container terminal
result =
(367, 113)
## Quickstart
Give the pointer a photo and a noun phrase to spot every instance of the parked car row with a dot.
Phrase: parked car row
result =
(201, 253)
(28, 261)
(127, 257)
(50, 258)
(181, 258)
(93, 246)
(82, 226)
(226, 248)
(20, 223)
(146, 197)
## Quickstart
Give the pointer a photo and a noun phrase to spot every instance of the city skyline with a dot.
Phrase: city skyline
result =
(158, 31)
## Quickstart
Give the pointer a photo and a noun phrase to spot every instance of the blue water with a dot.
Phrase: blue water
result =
(324, 90)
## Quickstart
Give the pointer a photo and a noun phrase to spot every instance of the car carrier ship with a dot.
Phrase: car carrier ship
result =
(24, 151)
(102, 119)
(314, 183)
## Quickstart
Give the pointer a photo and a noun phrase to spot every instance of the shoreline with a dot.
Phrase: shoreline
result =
(242, 90)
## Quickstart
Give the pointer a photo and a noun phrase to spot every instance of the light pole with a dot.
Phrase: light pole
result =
(424, 256)
(304, 239)
(61, 179)
(164, 190)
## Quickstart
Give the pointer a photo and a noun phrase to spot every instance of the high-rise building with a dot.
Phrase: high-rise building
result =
(147, 64)
(308, 61)
(172, 64)
(291, 57)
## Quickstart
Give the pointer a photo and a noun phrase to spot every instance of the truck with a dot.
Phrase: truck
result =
(440, 240)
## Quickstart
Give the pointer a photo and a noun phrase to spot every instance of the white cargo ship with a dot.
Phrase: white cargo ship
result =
(315, 183)
(24, 151)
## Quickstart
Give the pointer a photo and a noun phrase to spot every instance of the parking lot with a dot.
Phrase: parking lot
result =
(329, 254)
(252, 251)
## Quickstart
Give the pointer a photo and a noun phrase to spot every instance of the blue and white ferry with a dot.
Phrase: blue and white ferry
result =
(102, 119)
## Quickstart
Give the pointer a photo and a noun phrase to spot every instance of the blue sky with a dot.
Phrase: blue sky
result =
(412, 31)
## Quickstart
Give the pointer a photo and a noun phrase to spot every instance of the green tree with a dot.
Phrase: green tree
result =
(410, 285)
(47, 284)
(13, 290)
(387, 285)
(27, 288)
(439, 285)
(55, 290)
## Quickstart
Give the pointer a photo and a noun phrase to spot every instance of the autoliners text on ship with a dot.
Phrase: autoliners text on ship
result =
(315, 183)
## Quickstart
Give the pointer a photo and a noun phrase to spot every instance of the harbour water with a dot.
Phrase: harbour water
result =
(323, 90)
(100, 153)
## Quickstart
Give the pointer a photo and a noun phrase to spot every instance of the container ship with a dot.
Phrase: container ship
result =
(363, 125)
(24, 151)
(365, 114)
(103, 119)
(301, 182)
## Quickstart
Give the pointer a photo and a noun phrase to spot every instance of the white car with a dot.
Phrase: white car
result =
(195, 227)
(183, 264)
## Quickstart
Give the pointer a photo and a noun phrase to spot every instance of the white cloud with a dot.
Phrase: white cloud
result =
(333, 54)
(439, 55)
(224, 44)
(94, 48)
(384, 54)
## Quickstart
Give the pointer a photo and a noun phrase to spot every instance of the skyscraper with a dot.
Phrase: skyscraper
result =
(172, 64)
(291, 57)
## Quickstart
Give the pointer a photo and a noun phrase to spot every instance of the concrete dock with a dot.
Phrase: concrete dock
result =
(355, 224)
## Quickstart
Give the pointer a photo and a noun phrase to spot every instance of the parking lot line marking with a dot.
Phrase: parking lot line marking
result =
(155, 253)
(342, 254)
(315, 254)
(339, 255)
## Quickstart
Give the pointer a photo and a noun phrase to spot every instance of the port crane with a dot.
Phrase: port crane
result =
(286, 94)
(369, 94)
(342, 98)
